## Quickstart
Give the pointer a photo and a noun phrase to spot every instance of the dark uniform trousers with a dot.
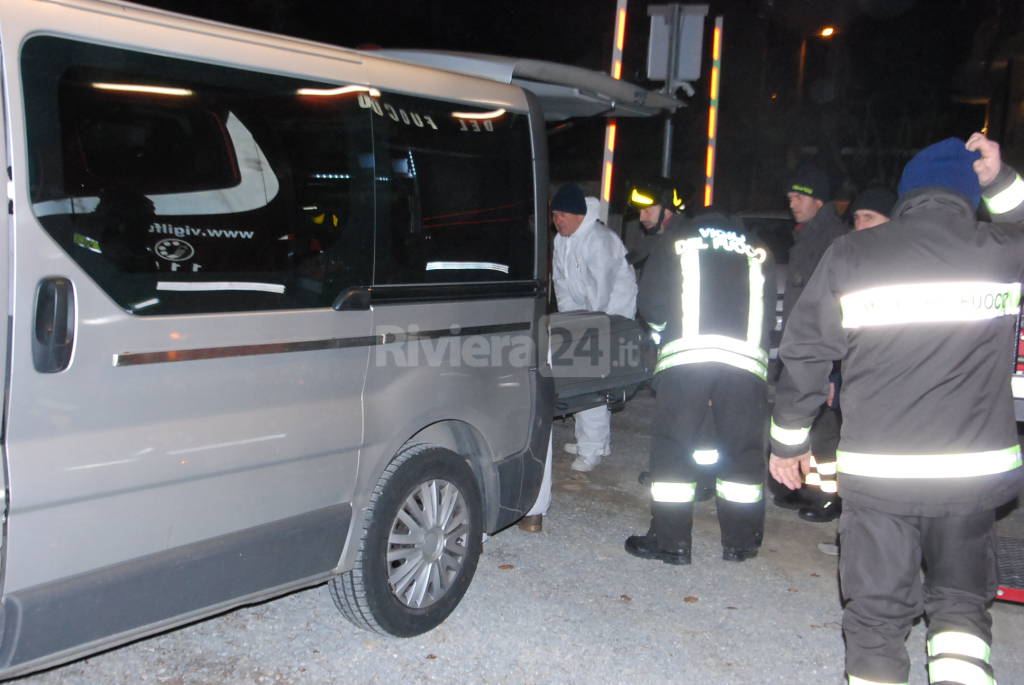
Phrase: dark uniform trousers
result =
(880, 574)
(740, 410)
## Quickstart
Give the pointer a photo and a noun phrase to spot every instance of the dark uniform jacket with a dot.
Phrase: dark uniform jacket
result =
(922, 312)
(709, 290)
(810, 243)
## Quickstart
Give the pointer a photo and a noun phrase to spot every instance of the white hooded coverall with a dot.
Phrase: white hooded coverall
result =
(591, 273)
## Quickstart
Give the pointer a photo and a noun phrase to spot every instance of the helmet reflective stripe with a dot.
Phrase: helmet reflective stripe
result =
(854, 680)
(673, 492)
(718, 356)
(716, 342)
(1007, 199)
(639, 198)
(789, 436)
(705, 457)
(677, 201)
(957, 671)
(961, 465)
(957, 643)
(744, 493)
(929, 303)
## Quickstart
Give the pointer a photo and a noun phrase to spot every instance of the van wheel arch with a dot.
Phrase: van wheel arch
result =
(419, 545)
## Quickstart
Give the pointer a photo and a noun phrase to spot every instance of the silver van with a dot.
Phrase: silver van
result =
(272, 313)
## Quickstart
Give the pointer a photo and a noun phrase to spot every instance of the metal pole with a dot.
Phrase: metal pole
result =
(670, 75)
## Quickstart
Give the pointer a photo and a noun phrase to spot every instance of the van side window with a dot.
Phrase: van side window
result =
(454, 194)
(183, 187)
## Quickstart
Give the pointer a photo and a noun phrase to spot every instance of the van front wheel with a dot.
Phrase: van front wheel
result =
(420, 545)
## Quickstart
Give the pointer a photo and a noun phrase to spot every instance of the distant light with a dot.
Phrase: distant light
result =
(479, 115)
(827, 32)
(135, 88)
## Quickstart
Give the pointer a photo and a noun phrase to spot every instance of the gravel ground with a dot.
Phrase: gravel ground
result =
(566, 605)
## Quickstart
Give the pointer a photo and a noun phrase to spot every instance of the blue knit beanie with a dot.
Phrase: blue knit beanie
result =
(947, 164)
(569, 199)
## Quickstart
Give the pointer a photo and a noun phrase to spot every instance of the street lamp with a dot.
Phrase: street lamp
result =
(824, 32)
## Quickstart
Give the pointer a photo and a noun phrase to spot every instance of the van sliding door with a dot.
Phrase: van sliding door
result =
(183, 229)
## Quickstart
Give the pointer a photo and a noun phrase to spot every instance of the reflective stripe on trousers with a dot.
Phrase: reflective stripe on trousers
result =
(957, 657)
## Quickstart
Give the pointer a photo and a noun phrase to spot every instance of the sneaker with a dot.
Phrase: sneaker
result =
(585, 463)
(572, 448)
(646, 547)
(829, 548)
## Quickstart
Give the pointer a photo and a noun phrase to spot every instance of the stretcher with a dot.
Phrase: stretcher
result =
(1010, 555)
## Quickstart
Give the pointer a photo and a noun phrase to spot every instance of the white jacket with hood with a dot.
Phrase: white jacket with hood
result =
(590, 269)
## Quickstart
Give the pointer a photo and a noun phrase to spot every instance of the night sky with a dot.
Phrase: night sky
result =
(883, 84)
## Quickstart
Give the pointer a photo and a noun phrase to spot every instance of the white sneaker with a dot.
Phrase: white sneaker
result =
(584, 463)
(572, 448)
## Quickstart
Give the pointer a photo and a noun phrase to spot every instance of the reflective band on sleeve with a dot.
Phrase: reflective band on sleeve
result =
(1007, 199)
(658, 327)
(718, 356)
(957, 671)
(829, 487)
(962, 644)
(789, 436)
(854, 680)
(673, 492)
(826, 469)
(705, 457)
(743, 493)
(910, 303)
(812, 478)
(962, 465)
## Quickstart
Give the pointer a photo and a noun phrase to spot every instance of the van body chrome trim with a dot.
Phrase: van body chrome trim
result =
(195, 354)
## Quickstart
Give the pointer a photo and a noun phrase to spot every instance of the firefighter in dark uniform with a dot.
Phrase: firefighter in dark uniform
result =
(710, 290)
(922, 312)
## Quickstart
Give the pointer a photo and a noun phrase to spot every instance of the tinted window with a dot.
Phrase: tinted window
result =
(454, 192)
(185, 187)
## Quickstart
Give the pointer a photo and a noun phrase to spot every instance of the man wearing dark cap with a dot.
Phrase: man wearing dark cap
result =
(922, 312)
(818, 224)
(871, 208)
(590, 273)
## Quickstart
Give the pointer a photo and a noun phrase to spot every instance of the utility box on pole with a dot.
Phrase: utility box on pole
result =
(675, 43)
(674, 50)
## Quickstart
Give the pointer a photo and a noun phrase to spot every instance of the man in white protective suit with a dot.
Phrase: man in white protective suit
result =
(590, 273)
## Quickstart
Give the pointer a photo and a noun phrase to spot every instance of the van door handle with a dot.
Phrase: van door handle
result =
(54, 334)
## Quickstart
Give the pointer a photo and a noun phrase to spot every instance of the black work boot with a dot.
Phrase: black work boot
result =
(646, 547)
(738, 553)
(823, 511)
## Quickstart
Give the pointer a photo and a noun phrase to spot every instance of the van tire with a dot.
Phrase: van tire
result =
(433, 571)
